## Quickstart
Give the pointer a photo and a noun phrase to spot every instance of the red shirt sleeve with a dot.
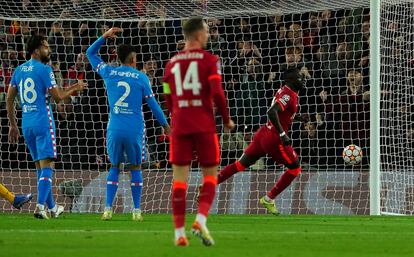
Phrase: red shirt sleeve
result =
(284, 100)
(167, 88)
(214, 79)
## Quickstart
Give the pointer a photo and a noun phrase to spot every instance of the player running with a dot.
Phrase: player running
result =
(272, 139)
(126, 88)
(191, 82)
(34, 81)
(16, 200)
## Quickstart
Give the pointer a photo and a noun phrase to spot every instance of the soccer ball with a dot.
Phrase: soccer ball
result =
(352, 154)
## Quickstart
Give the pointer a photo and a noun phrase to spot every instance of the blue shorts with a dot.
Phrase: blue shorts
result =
(124, 147)
(41, 142)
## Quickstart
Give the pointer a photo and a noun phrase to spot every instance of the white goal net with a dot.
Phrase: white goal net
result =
(397, 107)
(256, 40)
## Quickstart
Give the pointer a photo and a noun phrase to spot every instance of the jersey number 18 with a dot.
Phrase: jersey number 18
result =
(26, 87)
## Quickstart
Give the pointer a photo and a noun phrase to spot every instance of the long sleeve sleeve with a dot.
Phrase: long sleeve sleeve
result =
(152, 103)
(156, 110)
(92, 54)
(219, 98)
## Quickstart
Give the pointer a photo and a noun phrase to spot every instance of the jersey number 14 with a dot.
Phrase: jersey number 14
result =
(191, 79)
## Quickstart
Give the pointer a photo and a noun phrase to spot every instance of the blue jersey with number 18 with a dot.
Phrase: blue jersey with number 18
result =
(33, 79)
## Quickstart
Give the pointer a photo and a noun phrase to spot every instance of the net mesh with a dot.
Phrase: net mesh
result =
(397, 107)
(256, 41)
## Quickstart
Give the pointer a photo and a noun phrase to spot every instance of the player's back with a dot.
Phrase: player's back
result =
(188, 74)
(126, 88)
(33, 79)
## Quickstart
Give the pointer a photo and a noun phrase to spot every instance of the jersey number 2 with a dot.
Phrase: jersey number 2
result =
(191, 79)
(120, 101)
(25, 88)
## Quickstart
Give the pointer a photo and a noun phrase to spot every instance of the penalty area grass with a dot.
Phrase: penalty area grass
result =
(235, 235)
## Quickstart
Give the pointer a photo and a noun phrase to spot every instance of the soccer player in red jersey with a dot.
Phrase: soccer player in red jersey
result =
(192, 80)
(272, 139)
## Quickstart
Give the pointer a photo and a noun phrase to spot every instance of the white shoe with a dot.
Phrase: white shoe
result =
(59, 210)
(40, 212)
(137, 215)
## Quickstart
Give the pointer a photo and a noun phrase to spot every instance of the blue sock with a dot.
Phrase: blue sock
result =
(111, 186)
(50, 202)
(44, 186)
(136, 187)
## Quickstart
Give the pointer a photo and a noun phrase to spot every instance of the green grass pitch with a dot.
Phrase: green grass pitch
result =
(235, 235)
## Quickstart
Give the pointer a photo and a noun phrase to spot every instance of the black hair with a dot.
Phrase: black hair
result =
(124, 51)
(34, 42)
(192, 25)
(291, 74)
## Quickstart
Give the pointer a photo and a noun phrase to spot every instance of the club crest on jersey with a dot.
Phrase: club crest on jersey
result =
(51, 75)
(284, 99)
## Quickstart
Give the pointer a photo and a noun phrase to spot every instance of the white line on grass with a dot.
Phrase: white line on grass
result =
(115, 231)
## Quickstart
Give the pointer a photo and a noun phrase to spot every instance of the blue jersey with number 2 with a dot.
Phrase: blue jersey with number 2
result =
(126, 88)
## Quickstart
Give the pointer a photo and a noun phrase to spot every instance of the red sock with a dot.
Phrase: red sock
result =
(284, 181)
(178, 203)
(229, 171)
(208, 191)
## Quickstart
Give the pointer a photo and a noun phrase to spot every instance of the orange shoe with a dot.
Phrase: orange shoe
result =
(182, 241)
(202, 233)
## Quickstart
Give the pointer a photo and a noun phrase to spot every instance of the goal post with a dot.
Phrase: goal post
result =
(357, 57)
(375, 108)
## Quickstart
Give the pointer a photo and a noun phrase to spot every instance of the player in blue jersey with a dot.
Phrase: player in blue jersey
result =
(126, 89)
(34, 82)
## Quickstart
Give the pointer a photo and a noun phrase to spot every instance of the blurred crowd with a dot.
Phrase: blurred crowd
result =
(330, 47)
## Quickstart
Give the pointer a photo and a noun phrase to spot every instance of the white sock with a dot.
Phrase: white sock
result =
(108, 209)
(41, 207)
(54, 209)
(268, 199)
(179, 232)
(137, 210)
(201, 219)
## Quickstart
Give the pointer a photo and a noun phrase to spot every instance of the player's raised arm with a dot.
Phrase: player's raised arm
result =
(93, 50)
(154, 106)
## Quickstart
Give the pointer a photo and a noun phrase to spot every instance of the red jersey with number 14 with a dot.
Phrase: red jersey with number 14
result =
(192, 84)
(288, 101)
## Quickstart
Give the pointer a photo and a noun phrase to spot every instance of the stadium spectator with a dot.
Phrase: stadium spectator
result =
(56, 40)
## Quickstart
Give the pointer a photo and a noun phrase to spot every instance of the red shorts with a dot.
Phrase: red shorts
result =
(206, 146)
(267, 142)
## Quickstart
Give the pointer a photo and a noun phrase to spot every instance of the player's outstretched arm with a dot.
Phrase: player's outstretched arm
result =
(93, 50)
(11, 114)
(273, 115)
(59, 94)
